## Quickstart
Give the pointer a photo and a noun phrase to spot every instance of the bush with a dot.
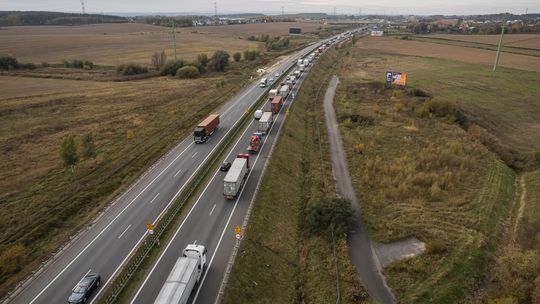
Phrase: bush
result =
(219, 61)
(330, 215)
(131, 69)
(251, 55)
(187, 71)
(88, 65)
(8, 63)
(237, 56)
(78, 64)
(171, 67)
(45, 64)
(202, 60)
(159, 59)
(29, 66)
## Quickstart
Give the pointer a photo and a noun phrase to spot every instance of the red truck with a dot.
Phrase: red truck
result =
(276, 104)
(206, 128)
(255, 142)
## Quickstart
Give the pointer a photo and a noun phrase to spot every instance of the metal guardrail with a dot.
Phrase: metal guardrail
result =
(130, 268)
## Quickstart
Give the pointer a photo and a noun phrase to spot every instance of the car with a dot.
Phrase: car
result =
(276, 75)
(83, 290)
(270, 79)
(225, 166)
(288, 77)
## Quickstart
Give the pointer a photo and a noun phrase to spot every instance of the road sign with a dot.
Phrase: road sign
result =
(150, 226)
(237, 230)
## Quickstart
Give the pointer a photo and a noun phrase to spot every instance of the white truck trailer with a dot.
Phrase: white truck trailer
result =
(237, 175)
(284, 91)
(185, 274)
(265, 122)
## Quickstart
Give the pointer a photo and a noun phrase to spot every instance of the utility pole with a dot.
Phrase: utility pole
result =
(499, 47)
(282, 11)
(215, 13)
(174, 40)
(83, 9)
(335, 10)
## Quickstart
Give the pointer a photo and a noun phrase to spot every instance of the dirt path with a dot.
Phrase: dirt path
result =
(360, 247)
(522, 202)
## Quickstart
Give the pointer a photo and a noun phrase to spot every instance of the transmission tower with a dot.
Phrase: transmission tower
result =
(335, 10)
(282, 11)
(83, 9)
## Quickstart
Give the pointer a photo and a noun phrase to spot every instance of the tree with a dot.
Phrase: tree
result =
(330, 216)
(159, 59)
(202, 59)
(88, 146)
(171, 67)
(188, 71)
(237, 56)
(68, 151)
(219, 61)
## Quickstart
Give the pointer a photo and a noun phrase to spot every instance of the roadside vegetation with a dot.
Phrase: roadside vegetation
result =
(70, 147)
(282, 259)
(435, 161)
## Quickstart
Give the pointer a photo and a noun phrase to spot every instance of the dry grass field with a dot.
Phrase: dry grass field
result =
(113, 44)
(42, 203)
(459, 53)
(531, 41)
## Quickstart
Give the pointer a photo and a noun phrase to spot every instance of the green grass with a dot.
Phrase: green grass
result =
(278, 261)
(423, 176)
(505, 102)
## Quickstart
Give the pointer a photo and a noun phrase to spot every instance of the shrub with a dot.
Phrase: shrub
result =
(360, 148)
(237, 56)
(159, 59)
(8, 63)
(330, 215)
(68, 151)
(219, 61)
(187, 71)
(88, 65)
(171, 67)
(13, 258)
(202, 60)
(29, 66)
(251, 55)
(398, 107)
(45, 64)
(131, 69)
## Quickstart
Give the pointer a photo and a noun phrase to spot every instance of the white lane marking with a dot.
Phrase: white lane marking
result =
(154, 198)
(212, 210)
(121, 234)
(186, 218)
(194, 154)
(177, 172)
(236, 203)
(106, 227)
(165, 209)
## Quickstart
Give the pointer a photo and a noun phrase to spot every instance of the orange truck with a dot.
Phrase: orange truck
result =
(276, 104)
(206, 128)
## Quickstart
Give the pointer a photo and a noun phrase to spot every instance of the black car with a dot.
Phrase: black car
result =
(82, 291)
(225, 167)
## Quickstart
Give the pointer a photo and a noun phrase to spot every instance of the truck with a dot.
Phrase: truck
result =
(276, 104)
(293, 80)
(265, 122)
(258, 114)
(184, 275)
(237, 175)
(302, 68)
(273, 92)
(297, 73)
(300, 61)
(263, 83)
(306, 62)
(255, 142)
(206, 128)
(284, 91)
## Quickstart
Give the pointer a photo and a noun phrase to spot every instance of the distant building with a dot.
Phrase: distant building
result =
(376, 32)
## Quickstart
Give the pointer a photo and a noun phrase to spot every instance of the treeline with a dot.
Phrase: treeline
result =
(12, 18)
(169, 21)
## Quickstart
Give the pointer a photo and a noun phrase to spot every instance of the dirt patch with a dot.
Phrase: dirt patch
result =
(465, 54)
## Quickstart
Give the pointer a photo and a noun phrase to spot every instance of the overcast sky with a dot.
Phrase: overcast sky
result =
(419, 7)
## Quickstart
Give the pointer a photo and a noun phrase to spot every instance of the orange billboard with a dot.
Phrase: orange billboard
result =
(397, 78)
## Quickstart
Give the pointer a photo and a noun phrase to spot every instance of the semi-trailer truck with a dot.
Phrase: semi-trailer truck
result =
(284, 91)
(206, 128)
(274, 92)
(265, 122)
(255, 142)
(237, 175)
(276, 104)
(183, 277)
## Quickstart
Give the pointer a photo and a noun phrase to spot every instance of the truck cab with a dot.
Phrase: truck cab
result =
(263, 83)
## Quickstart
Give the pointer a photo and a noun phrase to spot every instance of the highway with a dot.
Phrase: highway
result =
(212, 220)
(104, 246)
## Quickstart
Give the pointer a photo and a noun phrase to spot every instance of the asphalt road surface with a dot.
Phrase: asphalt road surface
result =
(212, 220)
(107, 242)
(360, 249)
